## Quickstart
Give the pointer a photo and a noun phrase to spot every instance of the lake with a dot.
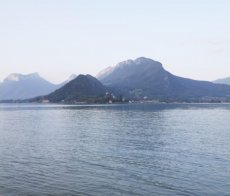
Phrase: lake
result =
(132, 149)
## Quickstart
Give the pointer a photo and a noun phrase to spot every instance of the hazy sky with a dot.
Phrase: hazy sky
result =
(59, 37)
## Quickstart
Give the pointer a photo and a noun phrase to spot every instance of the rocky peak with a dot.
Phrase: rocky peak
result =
(15, 77)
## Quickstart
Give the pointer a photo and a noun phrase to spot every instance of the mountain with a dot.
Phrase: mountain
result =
(84, 88)
(19, 86)
(104, 73)
(138, 79)
(71, 77)
(145, 78)
(223, 81)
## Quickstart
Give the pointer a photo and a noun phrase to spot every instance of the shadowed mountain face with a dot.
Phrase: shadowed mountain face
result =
(223, 81)
(18, 86)
(82, 88)
(144, 77)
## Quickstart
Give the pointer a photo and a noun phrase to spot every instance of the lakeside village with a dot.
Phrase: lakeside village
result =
(110, 98)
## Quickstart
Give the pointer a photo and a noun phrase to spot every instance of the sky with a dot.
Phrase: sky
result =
(57, 38)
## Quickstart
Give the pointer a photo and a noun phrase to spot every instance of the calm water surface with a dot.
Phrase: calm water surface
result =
(178, 149)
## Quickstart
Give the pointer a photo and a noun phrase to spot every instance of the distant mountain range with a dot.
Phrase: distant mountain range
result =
(223, 81)
(138, 80)
(18, 86)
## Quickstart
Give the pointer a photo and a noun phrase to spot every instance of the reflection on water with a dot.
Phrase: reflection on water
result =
(177, 149)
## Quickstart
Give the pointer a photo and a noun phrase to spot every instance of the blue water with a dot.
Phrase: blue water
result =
(162, 149)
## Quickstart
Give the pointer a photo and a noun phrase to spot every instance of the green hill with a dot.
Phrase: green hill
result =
(84, 88)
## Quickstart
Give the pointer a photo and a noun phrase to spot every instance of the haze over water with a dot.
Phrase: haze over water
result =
(178, 149)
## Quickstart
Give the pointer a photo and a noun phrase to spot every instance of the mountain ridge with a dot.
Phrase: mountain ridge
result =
(15, 77)
(138, 79)
(20, 86)
(144, 77)
(222, 81)
(24, 86)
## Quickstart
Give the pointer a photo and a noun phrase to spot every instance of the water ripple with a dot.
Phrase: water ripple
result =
(175, 149)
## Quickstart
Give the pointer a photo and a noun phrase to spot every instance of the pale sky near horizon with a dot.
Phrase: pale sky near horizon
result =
(57, 38)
